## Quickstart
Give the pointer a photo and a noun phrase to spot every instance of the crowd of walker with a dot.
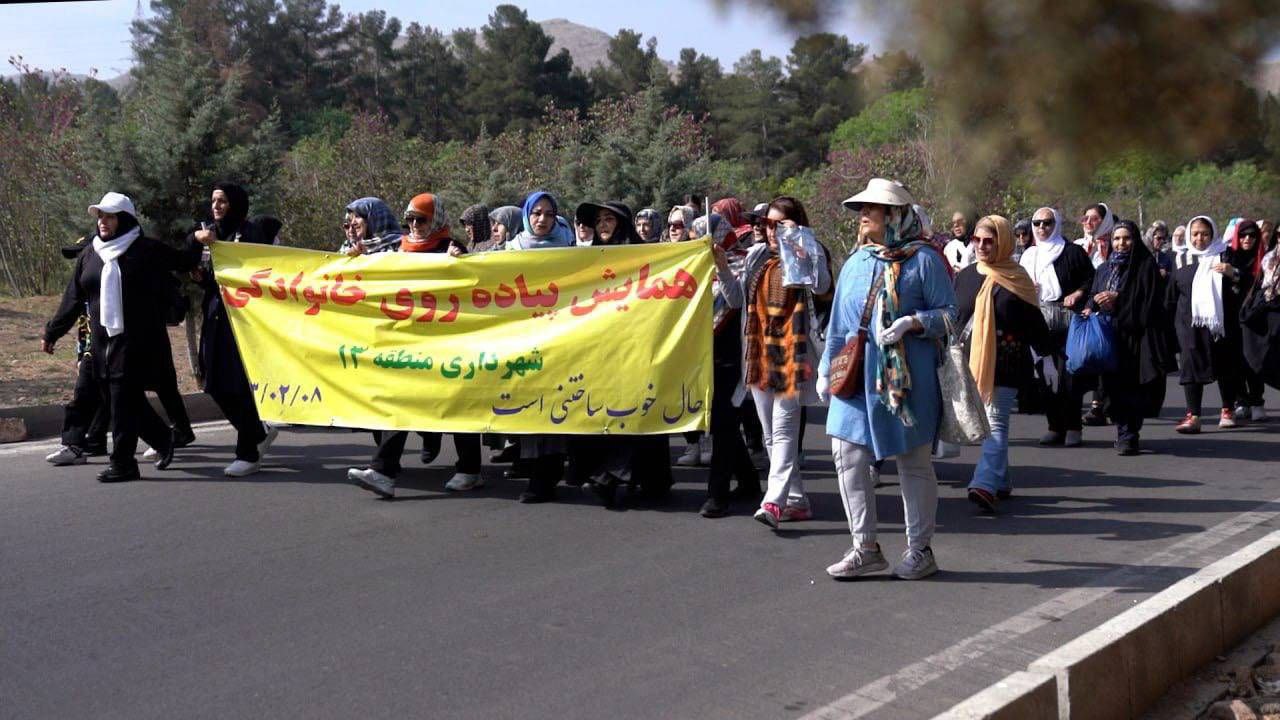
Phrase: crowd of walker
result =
(1196, 301)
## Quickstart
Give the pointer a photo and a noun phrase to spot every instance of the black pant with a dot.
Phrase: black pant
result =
(132, 417)
(750, 422)
(171, 400)
(1127, 406)
(1062, 408)
(387, 458)
(242, 412)
(546, 471)
(86, 404)
(1228, 387)
(1254, 387)
(729, 455)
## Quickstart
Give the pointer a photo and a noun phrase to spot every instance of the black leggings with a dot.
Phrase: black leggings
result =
(1195, 395)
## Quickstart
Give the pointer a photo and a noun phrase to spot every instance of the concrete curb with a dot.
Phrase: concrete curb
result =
(1122, 667)
(44, 421)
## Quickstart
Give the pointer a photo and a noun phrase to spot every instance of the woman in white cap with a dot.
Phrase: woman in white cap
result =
(895, 406)
(125, 284)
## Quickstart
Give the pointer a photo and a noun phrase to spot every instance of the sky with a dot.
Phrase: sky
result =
(80, 36)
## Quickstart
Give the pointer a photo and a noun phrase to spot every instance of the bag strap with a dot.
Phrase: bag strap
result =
(870, 302)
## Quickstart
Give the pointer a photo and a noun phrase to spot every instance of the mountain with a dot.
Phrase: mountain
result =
(588, 46)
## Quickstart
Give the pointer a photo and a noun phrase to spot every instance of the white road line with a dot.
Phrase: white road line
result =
(879, 693)
(37, 446)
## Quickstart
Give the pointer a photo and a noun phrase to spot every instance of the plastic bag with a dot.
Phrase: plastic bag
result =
(1091, 345)
(798, 249)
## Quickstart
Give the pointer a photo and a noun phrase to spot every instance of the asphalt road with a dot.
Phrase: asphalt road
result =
(294, 594)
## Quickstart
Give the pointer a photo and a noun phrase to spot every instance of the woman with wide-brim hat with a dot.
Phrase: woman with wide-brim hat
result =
(896, 407)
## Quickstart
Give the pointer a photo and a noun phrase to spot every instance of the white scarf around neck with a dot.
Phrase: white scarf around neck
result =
(110, 286)
(1206, 287)
(1039, 258)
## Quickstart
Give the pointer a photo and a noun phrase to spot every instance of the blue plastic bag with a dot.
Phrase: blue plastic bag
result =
(1091, 345)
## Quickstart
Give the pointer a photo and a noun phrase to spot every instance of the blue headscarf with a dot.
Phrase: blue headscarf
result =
(384, 229)
(561, 234)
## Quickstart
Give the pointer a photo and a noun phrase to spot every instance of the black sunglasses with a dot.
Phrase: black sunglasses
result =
(1043, 223)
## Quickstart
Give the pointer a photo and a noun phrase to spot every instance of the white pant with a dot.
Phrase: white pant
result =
(780, 419)
(857, 491)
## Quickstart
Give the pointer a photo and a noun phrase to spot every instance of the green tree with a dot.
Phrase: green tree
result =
(371, 38)
(429, 84)
(182, 129)
(822, 90)
(510, 78)
(751, 112)
(893, 118)
(696, 76)
(629, 68)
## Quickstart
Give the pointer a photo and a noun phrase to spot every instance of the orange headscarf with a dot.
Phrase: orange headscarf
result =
(426, 205)
(1002, 271)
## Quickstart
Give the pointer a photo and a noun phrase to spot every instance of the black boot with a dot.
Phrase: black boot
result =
(116, 474)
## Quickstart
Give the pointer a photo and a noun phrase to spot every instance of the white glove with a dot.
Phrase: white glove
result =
(896, 330)
(824, 388)
(1049, 369)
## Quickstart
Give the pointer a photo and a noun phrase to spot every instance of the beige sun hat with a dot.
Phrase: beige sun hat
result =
(880, 192)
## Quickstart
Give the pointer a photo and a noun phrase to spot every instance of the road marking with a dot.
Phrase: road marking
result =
(23, 448)
(885, 690)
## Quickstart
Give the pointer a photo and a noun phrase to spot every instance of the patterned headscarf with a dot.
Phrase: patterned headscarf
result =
(476, 217)
(902, 240)
(383, 227)
(687, 214)
(656, 224)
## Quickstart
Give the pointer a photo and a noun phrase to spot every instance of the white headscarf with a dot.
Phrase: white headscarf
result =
(111, 287)
(1090, 243)
(1039, 258)
(1206, 288)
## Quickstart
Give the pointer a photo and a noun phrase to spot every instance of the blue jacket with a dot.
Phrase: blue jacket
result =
(924, 289)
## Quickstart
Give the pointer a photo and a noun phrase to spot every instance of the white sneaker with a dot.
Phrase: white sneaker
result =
(692, 454)
(464, 481)
(241, 468)
(272, 432)
(374, 481)
(859, 561)
(1074, 439)
(704, 449)
(1258, 414)
(916, 564)
(150, 454)
(66, 455)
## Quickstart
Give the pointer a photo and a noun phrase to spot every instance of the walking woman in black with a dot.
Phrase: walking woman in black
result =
(224, 377)
(1129, 289)
(1062, 274)
(124, 282)
(1205, 297)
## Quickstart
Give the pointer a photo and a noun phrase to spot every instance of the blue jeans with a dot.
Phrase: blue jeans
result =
(992, 471)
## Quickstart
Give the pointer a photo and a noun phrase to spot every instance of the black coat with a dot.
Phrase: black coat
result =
(1075, 272)
(142, 351)
(219, 357)
(1204, 359)
(1138, 319)
(1019, 327)
(1260, 334)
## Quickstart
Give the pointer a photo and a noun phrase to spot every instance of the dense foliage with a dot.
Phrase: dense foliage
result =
(312, 108)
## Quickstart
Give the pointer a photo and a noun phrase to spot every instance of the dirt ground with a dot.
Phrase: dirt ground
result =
(30, 377)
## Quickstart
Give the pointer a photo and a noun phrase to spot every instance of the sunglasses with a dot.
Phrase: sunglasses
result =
(1043, 223)
(676, 226)
(414, 220)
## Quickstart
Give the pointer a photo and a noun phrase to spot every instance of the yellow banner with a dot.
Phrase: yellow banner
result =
(574, 340)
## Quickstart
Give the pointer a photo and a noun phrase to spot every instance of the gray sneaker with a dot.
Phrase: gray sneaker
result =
(858, 561)
(373, 480)
(66, 455)
(916, 564)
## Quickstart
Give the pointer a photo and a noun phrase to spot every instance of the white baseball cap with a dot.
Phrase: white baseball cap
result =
(113, 202)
